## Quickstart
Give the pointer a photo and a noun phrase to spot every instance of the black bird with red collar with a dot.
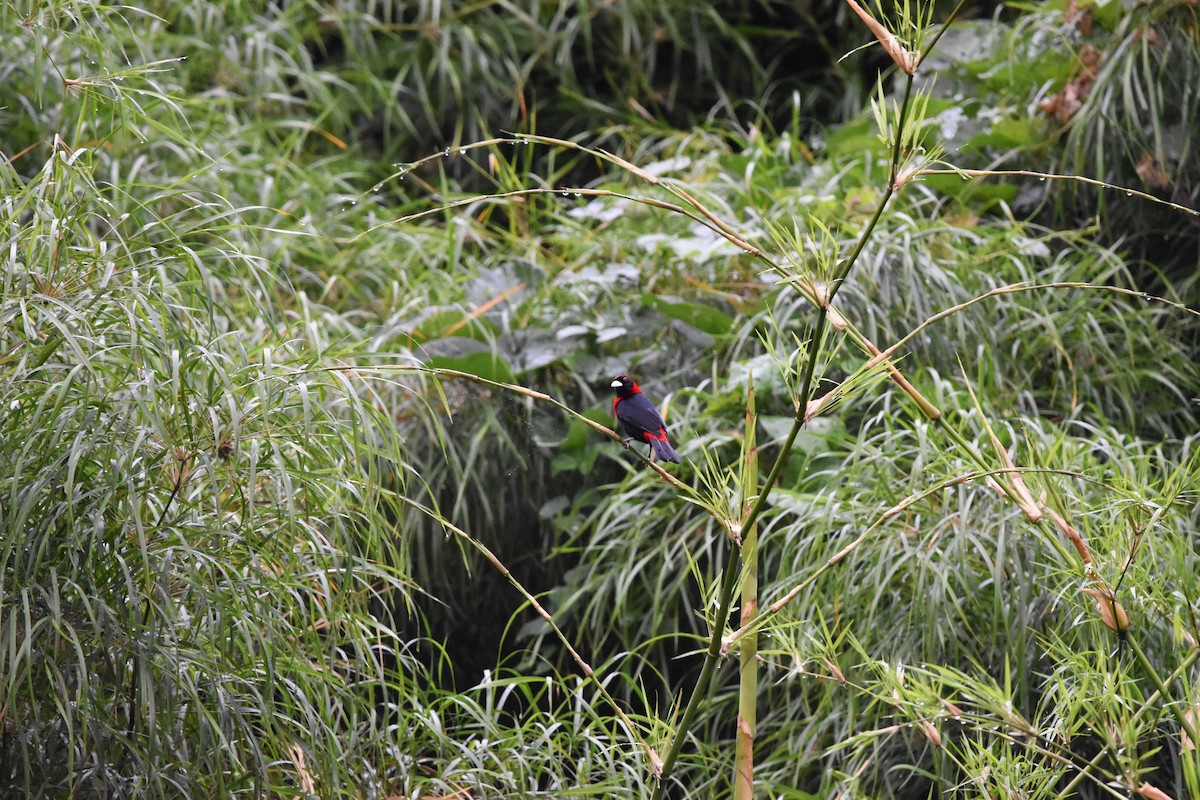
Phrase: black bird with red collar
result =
(640, 420)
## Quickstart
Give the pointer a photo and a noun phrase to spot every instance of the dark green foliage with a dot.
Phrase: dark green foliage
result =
(1102, 90)
(242, 536)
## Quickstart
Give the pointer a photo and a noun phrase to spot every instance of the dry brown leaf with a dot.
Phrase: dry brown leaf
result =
(1064, 105)
(1153, 792)
(1151, 173)
(1112, 613)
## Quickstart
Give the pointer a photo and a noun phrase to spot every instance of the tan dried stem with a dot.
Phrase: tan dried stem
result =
(1111, 612)
(905, 59)
(1151, 792)
(1072, 535)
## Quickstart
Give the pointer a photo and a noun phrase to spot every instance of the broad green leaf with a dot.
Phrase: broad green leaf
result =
(484, 364)
(706, 318)
(452, 323)
(1005, 134)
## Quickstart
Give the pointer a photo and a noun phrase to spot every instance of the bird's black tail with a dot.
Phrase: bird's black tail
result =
(662, 448)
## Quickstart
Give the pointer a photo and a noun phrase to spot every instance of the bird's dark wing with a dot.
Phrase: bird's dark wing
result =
(639, 415)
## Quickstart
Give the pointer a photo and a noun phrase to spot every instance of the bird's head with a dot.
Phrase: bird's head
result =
(624, 386)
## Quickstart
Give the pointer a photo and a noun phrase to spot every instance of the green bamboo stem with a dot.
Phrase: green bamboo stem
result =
(1184, 724)
(749, 521)
(1106, 752)
(713, 653)
(897, 145)
(743, 779)
(711, 656)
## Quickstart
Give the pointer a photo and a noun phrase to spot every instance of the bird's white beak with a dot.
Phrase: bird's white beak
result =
(615, 384)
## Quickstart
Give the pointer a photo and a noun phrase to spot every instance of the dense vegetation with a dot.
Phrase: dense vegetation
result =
(310, 310)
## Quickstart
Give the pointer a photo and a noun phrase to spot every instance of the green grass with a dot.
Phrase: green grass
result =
(248, 547)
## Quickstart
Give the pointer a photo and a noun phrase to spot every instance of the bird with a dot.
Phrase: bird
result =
(640, 420)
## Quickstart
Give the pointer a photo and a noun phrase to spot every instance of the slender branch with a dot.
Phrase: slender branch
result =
(730, 582)
(535, 395)
(945, 27)
(825, 313)
(993, 173)
(702, 215)
(898, 145)
(768, 613)
(841, 274)
(474, 199)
